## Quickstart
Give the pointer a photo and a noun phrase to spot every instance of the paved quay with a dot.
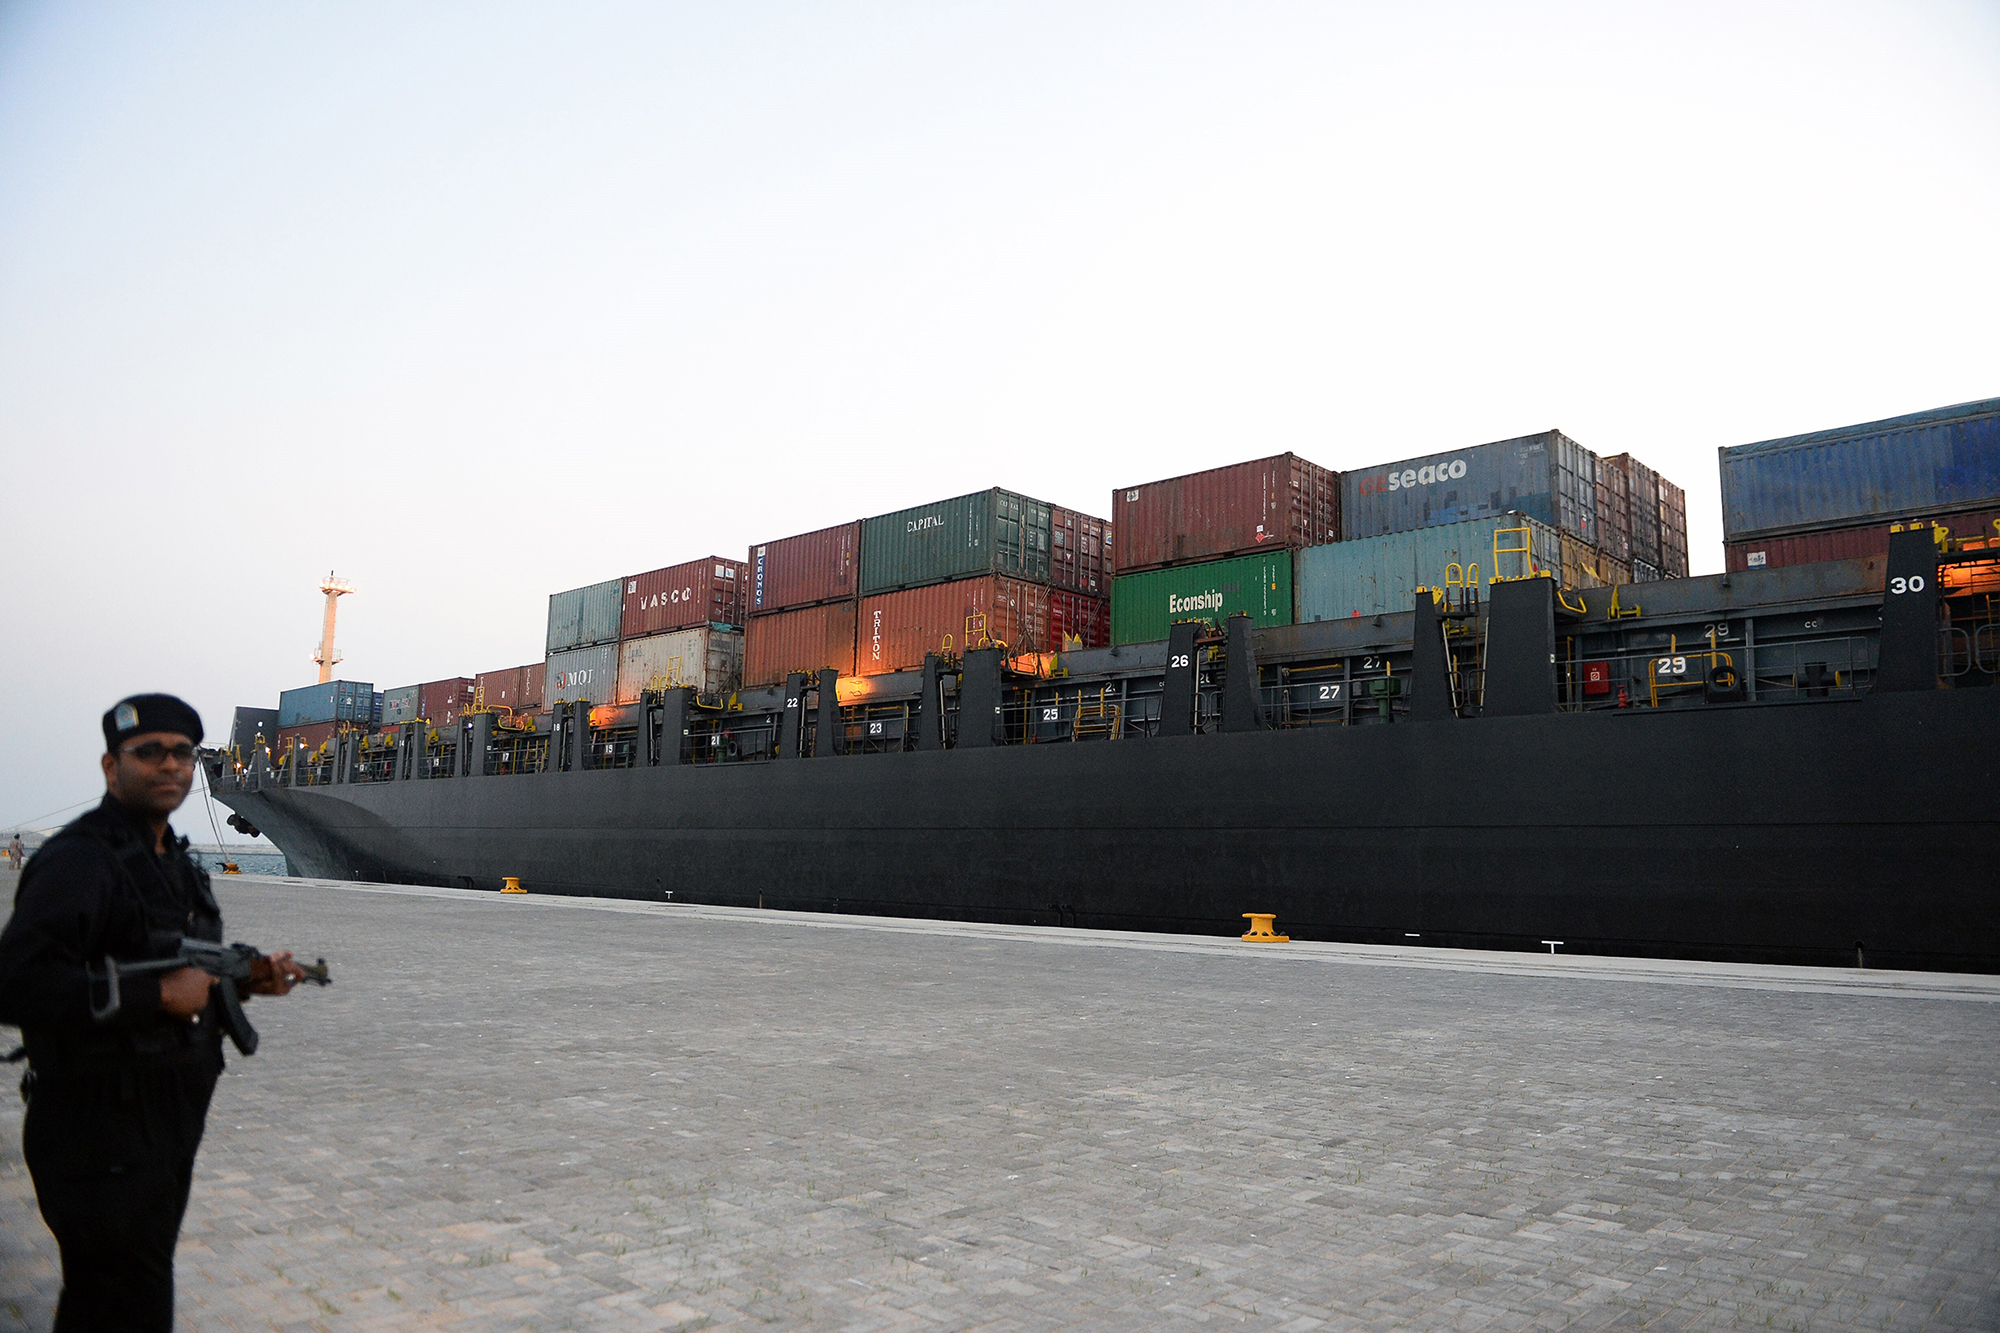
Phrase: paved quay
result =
(530, 1113)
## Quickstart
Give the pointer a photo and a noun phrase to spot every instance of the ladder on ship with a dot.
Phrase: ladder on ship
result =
(1097, 716)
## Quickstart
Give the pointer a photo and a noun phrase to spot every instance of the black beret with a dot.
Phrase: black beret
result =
(149, 712)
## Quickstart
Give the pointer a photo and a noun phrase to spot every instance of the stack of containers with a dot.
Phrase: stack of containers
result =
(1834, 494)
(966, 572)
(1080, 562)
(681, 625)
(802, 603)
(1210, 544)
(582, 643)
(313, 714)
(517, 688)
(1653, 519)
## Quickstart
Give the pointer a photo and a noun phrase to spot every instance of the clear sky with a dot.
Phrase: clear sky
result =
(474, 303)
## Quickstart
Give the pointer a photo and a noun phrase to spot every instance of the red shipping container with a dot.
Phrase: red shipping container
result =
(896, 629)
(310, 738)
(683, 596)
(1272, 502)
(1079, 552)
(805, 640)
(442, 701)
(1078, 616)
(805, 570)
(1857, 543)
(518, 688)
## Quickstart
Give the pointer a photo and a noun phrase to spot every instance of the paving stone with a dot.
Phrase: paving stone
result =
(528, 1114)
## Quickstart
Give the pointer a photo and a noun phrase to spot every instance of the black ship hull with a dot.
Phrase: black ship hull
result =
(1825, 832)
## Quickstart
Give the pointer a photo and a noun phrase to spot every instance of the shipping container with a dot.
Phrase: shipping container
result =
(533, 676)
(992, 531)
(248, 725)
(1078, 620)
(1380, 575)
(498, 689)
(587, 615)
(375, 712)
(1854, 543)
(1548, 477)
(1145, 604)
(895, 630)
(808, 639)
(1940, 461)
(806, 570)
(1673, 530)
(1614, 511)
(1584, 566)
(1643, 572)
(708, 658)
(1268, 503)
(332, 701)
(1643, 488)
(709, 591)
(1079, 552)
(589, 674)
(309, 737)
(402, 704)
(442, 702)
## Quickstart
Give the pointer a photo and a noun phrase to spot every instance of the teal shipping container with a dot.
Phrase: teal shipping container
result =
(987, 532)
(1143, 605)
(583, 616)
(1380, 575)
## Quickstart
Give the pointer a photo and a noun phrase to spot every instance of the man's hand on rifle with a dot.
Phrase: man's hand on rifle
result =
(184, 992)
(274, 974)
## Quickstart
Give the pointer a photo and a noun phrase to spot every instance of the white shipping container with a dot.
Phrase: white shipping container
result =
(707, 658)
(399, 705)
(588, 674)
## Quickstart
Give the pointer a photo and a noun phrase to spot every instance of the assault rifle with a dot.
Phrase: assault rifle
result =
(227, 963)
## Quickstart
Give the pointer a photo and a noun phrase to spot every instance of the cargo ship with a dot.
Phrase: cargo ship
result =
(1791, 763)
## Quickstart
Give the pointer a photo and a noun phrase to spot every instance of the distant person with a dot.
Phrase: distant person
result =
(15, 851)
(116, 1108)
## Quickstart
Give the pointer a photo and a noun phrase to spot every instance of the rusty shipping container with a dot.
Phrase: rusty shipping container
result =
(497, 689)
(532, 676)
(806, 570)
(1268, 503)
(708, 659)
(697, 592)
(1079, 552)
(1851, 543)
(806, 639)
(896, 629)
(1673, 530)
(1642, 498)
(1078, 620)
(1614, 512)
(309, 737)
(441, 701)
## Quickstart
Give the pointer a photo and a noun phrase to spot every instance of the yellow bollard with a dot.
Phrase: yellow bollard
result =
(229, 868)
(511, 884)
(1261, 931)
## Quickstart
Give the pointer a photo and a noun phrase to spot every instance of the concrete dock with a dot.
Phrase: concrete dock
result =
(525, 1112)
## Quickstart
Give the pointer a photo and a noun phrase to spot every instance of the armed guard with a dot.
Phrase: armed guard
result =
(118, 1090)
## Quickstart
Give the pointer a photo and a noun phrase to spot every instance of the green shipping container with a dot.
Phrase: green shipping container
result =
(987, 532)
(1144, 605)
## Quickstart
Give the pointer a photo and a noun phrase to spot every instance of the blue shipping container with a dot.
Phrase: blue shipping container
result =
(1381, 575)
(335, 701)
(585, 615)
(1924, 463)
(1549, 477)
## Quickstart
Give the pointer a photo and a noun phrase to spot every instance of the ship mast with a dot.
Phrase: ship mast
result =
(335, 588)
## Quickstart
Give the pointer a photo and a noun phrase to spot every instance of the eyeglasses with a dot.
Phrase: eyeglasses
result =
(152, 752)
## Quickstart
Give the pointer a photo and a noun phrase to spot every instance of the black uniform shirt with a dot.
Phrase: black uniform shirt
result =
(94, 890)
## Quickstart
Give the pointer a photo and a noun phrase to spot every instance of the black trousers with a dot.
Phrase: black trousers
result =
(112, 1156)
